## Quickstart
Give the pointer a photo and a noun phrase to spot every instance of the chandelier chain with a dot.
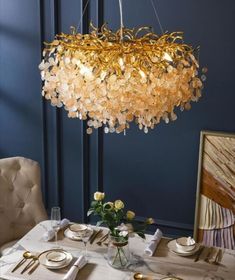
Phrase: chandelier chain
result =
(157, 16)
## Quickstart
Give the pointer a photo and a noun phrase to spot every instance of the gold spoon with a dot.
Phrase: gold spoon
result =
(27, 255)
(138, 276)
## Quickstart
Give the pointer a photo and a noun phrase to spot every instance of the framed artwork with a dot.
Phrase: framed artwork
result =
(215, 201)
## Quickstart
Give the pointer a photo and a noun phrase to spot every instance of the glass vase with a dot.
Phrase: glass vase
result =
(118, 253)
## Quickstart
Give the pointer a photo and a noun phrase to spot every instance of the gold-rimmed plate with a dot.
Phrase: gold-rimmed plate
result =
(69, 234)
(174, 249)
(55, 265)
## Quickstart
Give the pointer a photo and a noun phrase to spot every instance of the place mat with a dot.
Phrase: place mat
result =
(63, 241)
(99, 267)
(40, 273)
(43, 273)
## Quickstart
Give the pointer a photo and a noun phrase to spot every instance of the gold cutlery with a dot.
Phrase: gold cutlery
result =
(208, 255)
(96, 234)
(216, 257)
(27, 255)
(199, 252)
(102, 239)
(140, 276)
(219, 256)
(34, 268)
(30, 264)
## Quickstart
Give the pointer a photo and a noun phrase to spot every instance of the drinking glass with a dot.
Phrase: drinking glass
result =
(85, 238)
(55, 222)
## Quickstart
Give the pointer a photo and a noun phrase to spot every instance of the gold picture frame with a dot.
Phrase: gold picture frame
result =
(215, 198)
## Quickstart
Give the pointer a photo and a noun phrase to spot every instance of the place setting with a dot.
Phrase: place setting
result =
(67, 232)
(183, 246)
(187, 247)
(57, 259)
(48, 264)
(87, 234)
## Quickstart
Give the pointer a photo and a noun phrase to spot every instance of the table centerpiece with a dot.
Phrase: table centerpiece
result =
(121, 224)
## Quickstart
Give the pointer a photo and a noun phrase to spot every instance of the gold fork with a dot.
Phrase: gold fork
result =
(102, 239)
(30, 264)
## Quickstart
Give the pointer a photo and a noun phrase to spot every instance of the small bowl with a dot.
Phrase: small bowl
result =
(56, 257)
(182, 244)
(78, 229)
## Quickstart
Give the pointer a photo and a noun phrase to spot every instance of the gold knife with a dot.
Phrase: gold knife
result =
(199, 253)
(207, 258)
(94, 232)
(30, 264)
(216, 257)
(220, 256)
(34, 268)
(95, 235)
(19, 264)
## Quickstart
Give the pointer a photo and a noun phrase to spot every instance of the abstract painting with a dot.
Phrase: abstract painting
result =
(215, 204)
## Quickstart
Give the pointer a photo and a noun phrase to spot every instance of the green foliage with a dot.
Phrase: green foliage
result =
(115, 218)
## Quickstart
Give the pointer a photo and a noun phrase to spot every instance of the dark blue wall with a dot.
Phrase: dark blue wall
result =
(156, 173)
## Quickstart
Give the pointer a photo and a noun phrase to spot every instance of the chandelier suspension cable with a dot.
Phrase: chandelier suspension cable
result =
(157, 16)
(121, 20)
(83, 12)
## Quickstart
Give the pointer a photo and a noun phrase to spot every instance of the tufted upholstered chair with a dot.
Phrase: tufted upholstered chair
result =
(21, 206)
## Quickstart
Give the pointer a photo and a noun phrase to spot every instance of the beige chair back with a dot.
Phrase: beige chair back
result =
(21, 206)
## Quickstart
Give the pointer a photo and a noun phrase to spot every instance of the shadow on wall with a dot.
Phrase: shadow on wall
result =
(23, 109)
(19, 35)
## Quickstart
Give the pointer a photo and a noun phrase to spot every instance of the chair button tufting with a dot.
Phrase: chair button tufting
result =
(11, 188)
(21, 204)
(18, 166)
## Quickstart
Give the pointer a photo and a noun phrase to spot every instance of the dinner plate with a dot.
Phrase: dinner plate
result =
(69, 234)
(56, 265)
(174, 249)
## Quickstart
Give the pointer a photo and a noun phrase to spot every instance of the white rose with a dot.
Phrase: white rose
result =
(123, 233)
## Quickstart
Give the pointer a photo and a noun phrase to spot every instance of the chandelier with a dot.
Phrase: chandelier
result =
(111, 78)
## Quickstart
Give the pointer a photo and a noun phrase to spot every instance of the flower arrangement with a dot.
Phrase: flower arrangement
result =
(121, 223)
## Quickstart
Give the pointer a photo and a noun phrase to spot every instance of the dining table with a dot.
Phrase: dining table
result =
(163, 263)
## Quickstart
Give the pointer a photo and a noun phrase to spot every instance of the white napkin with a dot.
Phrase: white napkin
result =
(72, 273)
(48, 235)
(152, 246)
